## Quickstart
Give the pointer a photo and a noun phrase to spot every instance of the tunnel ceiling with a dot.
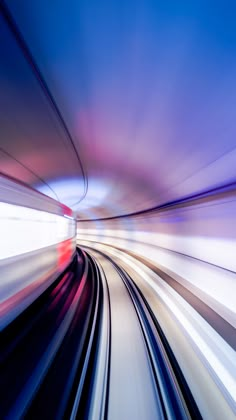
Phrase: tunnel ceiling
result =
(114, 107)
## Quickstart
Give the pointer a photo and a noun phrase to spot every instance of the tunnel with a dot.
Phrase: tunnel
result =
(118, 209)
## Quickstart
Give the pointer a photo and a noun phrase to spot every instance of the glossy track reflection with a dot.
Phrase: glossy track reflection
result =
(172, 396)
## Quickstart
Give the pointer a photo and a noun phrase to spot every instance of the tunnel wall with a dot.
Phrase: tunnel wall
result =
(37, 244)
(193, 241)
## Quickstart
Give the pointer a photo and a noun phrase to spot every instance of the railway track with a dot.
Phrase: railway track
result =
(90, 348)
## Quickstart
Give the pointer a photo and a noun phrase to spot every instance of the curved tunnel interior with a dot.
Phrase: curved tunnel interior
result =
(118, 209)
